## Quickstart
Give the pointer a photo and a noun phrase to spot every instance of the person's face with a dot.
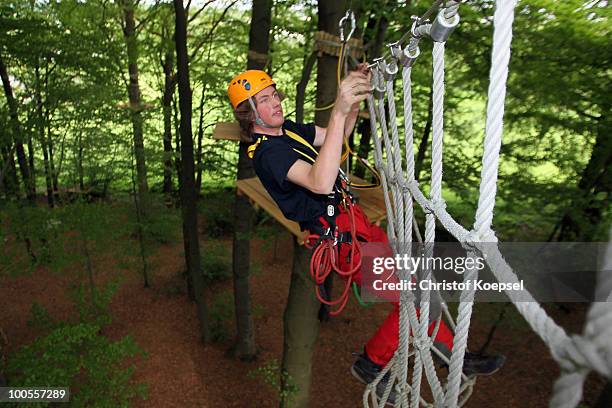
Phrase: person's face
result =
(269, 106)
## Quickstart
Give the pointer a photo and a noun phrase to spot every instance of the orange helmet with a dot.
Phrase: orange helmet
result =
(247, 84)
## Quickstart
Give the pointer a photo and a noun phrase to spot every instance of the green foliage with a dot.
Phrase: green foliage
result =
(163, 224)
(267, 230)
(77, 354)
(279, 380)
(558, 99)
(216, 262)
(93, 304)
(217, 210)
(220, 314)
(40, 318)
(79, 357)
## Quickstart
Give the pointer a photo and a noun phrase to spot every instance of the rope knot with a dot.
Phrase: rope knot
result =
(438, 205)
(409, 186)
(476, 236)
(422, 344)
(579, 352)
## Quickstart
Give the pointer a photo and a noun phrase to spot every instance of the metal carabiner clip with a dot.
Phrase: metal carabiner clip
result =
(347, 15)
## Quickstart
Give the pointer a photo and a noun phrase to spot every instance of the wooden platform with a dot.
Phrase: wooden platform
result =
(231, 130)
(371, 201)
(227, 131)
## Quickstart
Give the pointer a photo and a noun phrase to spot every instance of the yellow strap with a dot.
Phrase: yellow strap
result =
(304, 154)
(300, 139)
(251, 148)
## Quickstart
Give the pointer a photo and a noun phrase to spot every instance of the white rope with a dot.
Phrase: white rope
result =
(502, 37)
(577, 355)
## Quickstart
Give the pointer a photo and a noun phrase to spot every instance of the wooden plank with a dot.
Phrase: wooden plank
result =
(227, 131)
(256, 191)
(370, 201)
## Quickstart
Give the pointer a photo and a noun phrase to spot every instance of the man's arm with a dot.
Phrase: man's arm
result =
(321, 175)
(349, 125)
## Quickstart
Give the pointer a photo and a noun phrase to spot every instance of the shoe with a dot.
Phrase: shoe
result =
(366, 371)
(480, 364)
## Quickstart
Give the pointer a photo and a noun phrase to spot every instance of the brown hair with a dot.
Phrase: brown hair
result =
(246, 117)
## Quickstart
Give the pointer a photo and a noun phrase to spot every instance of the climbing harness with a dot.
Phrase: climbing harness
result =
(330, 241)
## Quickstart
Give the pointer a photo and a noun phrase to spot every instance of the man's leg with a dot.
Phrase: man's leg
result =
(382, 345)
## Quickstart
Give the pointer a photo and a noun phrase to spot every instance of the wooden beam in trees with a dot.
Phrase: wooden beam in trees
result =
(371, 201)
(227, 131)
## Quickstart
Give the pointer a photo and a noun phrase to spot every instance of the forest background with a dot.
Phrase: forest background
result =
(106, 147)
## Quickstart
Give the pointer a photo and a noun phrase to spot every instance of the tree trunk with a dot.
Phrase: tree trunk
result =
(40, 124)
(199, 166)
(80, 171)
(24, 169)
(245, 347)
(301, 328)
(31, 156)
(169, 84)
(129, 32)
(300, 319)
(177, 140)
(187, 189)
(583, 220)
(300, 95)
(420, 158)
(8, 172)
(330, 13)
(54, 174)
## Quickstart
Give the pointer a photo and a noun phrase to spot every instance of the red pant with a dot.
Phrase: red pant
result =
(382, 345)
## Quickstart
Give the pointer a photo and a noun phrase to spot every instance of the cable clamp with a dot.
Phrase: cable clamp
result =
(442, 28)
(416, 23)
(389, 69)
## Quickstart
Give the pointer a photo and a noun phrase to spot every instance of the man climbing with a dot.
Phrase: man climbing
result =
(305, 183)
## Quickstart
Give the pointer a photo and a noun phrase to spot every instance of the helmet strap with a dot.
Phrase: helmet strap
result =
(258, 119)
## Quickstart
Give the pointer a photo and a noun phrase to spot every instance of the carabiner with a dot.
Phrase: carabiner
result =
(349, 14)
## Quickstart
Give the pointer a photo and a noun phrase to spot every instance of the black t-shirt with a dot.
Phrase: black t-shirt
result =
(273, 157)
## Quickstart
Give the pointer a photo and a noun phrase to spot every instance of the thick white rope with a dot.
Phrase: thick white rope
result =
(577, 354)
(502, 38)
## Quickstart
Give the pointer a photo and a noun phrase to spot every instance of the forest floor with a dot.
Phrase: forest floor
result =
(181, 372)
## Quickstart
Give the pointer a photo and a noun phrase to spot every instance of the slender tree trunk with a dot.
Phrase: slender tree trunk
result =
(49, 136)
(31, 156)
(169, 84)
(309, 62)
(301, 329)
(244, 346)
(188, 194)
(583, 220)
(130, 35)
(330, 13)
(200, 137)
(61, 158)
(177, 140)
(300, 96)
(80, 171)
(40, 124)
(420, 158)
(8, 172)
(24, 169)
